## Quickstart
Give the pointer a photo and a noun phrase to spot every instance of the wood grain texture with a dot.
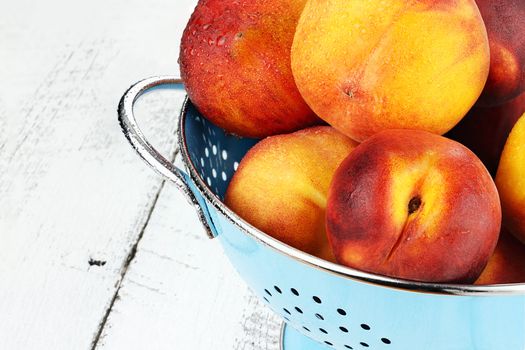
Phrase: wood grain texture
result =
(180, 292)
(75, 201)
(70, 188)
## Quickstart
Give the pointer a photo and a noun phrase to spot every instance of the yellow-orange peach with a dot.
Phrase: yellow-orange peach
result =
(510, 180)
(413, 205)
(507, 264)
(281, 185)
(506, 31)
(365, 66)
(235, 63)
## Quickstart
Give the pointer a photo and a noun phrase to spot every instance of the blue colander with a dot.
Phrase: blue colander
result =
(324, 305)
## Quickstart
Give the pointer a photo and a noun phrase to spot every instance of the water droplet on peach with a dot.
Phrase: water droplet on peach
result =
(221, 40)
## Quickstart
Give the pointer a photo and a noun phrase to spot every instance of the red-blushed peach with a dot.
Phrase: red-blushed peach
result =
(281, 185)
(365, 66)
(485, 129)
(505, 24)
(507, 264)
(413, 205)
(510, 180)
(235, 63)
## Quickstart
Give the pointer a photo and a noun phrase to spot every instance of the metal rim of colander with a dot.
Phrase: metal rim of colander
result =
(339, 270)
(281, 336)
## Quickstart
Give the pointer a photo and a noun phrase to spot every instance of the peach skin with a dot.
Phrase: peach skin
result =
(235, 63)
(413, 205)
(485, 129)
(506, 31)
(281, 185)
(507, 264)
(365, 66)
(510, 180)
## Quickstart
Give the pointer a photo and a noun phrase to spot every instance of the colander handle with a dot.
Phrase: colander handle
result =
(147, 152)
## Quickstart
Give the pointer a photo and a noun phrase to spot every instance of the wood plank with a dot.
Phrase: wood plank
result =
(180, 292)
(71, 190)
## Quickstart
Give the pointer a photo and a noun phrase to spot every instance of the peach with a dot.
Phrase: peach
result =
(414, 205)
(507, 264)
(510, 180)
(235, 63)
(366, 66)
(485, 129)
(506, 31)
(281, 185)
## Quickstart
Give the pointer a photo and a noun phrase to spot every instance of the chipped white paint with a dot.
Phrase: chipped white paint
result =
(180, 292)
(77, 205)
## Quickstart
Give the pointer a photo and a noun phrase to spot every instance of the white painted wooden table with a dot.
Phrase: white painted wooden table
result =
(96, 251)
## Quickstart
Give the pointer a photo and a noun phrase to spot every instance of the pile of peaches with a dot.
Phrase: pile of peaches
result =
(351, 100)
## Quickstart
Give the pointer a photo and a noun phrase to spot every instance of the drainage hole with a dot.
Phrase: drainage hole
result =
(365, 327)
